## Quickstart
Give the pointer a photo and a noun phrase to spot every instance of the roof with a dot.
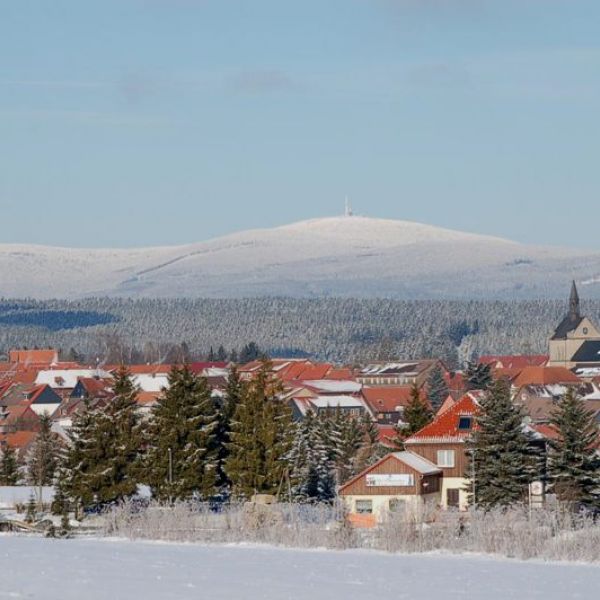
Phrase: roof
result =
(18, 439)
(544, 376)
(97, 387)
(337, 401)
(386, 435)
(68, 378)
(151, 382)
(514, 361)
(416, 462)
(408, 458)
(340, 373)
(573, 318)
(147, 398)
(388, 398)
(589, 352)
(396, 368)
(47, 356)
(332, 385)
(444, 428)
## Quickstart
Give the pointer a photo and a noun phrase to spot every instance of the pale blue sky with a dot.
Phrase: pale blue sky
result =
(142, 122)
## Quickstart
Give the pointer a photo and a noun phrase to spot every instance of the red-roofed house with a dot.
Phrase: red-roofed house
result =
(544, 376)
(388, 402)
(36, 357)
(443, 443)
(514, 361)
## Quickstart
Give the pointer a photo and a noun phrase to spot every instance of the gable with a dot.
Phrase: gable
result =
(586, 330)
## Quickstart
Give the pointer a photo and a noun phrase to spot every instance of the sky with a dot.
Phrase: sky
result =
(150, 122)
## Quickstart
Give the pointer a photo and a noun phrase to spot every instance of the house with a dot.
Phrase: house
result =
(92, 388)
(43, 400)
(387, 403)
(443, 442)
(513, 361)
(33, 357)
(64, 381)
(401, 482)
(545, 376)
(576, 341)
(303, 402)
(398, 373)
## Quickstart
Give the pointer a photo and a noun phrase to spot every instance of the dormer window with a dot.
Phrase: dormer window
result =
(465, 423)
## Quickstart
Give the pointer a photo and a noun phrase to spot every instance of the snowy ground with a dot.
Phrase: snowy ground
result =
(98, 569)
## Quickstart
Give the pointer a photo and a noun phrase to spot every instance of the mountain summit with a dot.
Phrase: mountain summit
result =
(337, 256)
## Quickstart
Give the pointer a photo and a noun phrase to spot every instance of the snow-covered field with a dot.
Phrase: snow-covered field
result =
(99, 569)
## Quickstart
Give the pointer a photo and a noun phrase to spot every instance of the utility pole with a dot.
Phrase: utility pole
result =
(170, 475)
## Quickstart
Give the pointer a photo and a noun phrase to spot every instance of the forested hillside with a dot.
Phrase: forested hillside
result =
(342, 330)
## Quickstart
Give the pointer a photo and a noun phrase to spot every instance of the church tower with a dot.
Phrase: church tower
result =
(573, 337)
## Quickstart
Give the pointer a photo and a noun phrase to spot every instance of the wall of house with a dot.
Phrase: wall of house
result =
(462, 463)
(392, 466)
(413, 506)
(455, 483)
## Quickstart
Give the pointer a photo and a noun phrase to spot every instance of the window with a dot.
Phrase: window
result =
(464, 423)
(364, 507)
(445, 458)
(396, 505)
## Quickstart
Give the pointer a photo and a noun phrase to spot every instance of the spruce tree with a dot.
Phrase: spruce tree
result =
(310, 466)
(225, 410)
(574, 468)
(260, 438)
(503, 457)
(221, 354)
(437, 389)
(183, 455)
(416, 415)
(478, 376)
(9, 469)
(78, 460)
(103, 461)
(42, 458)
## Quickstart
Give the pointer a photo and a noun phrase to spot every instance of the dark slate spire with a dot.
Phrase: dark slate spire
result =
(574, 311)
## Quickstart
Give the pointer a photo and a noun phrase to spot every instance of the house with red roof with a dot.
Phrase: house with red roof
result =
(443, 443)
(514, 361)
(387, 403)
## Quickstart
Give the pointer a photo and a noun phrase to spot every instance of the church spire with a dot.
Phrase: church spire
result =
(574, 311)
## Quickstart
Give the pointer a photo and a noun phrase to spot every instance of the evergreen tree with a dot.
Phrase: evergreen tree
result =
(60, 502)
(79, 460)
(103, 461)
(503, 457)
(437, 389)
(211, 355)
(574, 468)
(260, 438)
(478, 376)
(183, 455)
(310, 466)
(249, 353)
(9, 469)
(221, 354)
(42, 459)
(416, 415)
(225, 410)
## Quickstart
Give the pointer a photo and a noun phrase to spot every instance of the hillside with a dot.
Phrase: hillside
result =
(339, 256)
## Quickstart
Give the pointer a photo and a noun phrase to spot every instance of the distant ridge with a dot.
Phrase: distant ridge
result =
(335, 256)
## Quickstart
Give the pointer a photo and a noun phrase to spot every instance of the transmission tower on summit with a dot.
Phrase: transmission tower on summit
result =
(347, 208)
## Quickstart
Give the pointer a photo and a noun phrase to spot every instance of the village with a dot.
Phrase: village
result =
(407, 468)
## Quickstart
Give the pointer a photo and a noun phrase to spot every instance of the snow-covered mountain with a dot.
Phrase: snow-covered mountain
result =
(345, 256)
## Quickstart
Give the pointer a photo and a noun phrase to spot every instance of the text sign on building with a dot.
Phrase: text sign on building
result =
(390, 480)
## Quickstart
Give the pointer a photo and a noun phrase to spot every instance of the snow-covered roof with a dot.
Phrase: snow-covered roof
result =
(151, 382)
(337, 401)
(416, 462)
(340, 386)
(67, 378)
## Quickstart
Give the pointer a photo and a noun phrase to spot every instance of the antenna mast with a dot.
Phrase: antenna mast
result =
(347, 208)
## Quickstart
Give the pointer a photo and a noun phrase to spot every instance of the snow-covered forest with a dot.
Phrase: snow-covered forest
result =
(343, 330)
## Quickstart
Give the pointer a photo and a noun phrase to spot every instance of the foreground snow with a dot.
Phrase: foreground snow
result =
(97, 569)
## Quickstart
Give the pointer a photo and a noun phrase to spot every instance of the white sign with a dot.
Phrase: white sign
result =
(391, 480)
